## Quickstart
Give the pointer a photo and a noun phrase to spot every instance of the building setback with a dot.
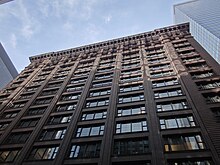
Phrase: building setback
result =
(204, 18)
(146, 99)
(7, 69)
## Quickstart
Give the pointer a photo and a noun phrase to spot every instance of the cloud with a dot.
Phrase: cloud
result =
(13, 40)
(107, 19)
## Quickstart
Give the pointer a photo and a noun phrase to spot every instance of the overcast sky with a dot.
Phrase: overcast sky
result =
(32, 27)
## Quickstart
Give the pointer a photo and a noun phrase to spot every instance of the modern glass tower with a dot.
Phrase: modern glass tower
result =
(204, 18)
(147, 99)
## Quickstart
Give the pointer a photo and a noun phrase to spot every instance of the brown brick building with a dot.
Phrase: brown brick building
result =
(147, 99)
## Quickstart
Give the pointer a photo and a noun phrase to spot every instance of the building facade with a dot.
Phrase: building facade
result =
(204, 18)
(8, 71)
(147, 99)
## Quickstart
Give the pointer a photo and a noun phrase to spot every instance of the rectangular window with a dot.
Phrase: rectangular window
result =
(161, 74)
(9, 115)
(212, 97)
(133, 126)
(49, 92)
(198, 75)
(90, 131)
(160, 66)
(40, 153)
(59, 119)
(168, 93)
(96, 103)
(102, 83)
(172, 106)
(80, 80)
(74, 88)
(209, 85)
(131, 147)
(52, 134)
(36, 111)
(177, 122)
(100, 92)
(131, 98)
(131, 71)
(17, 138)
(190, 162)
(103, 76)
(130, 65)
(134, 110)
(42, 101)
(131, 78)
(163, 83)
(182, 143)
(8, 155)
(70, 97)
(94, 115)
(3, 126)
(52, 85)
(88, 150)
(66, 107)
(28, 123)
(129, 88)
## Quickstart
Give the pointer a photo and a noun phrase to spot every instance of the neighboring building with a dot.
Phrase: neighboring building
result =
(4, 1)
(7, 69)
(204, 18)
(151, 98)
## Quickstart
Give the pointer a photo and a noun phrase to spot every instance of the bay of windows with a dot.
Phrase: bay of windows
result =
(133, 110)
(172, 106)
(100, 92)
(8, 155)
(88, 150)
(102, 83)
(168, 93)
(96, 103)
(163, 83)
(67, 107)
(94, 115)
(17, 138)
(53, 134)
(191, 162)
(90, 131)
(131, 98)
(59, 119)
(129, 88)
(71, 97)
(43, 153)
(133, 126)
(182, 143)
(36, 111)
(177, 122)
(28, 123)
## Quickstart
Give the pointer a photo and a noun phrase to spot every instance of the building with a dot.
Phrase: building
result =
(151, 98)
(204, 18)
(4, 1)
(8, 71)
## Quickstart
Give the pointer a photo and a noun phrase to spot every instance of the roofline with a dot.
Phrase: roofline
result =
(81, 49)
(183, 3)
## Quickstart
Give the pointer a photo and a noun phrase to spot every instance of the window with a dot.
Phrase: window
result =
(134, 110)
(168, 93)
(196, 65)
(131, 71)
(182, 143)
(100, 92)
(131, 147)
(103, 76)
(105, 69)
(36, 111)
(42, 101)
(70, 97)
(161, 66)
(213, 99)
(96, 103)
(74, 88)
(190, 162)
(157, 60)
(163, 83)
(59, 77)
(157, 55)
(3, 126)
(130, 65)
(88, 150)
(131, 98)
(79, 80)
(177, 122)
(54, 134)
(28, 123)
(209, 85)
(131, 79)
(66, 107)
(94, 115)
(25, 96)
(134, 126)
(49, 92)
(9, 115)
(39, 153)
(59, 119)
(161, 74)
(198, 75)
(172, 106)
(8, 156)
(129, 88)
(19, 105)
(17, 138)
(90, 131)
(51, 85)
(131, 56)
(102, 83)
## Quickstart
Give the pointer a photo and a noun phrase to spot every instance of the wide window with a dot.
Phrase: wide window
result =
(54, 134)
(130, 98)
(133, 126)
(36, 111)
(96, 103)
(131, 147)
(59, 119)
(168, 93)
(134, 110)
(90, 131)
(67, 107)
(17, 138)
(163, 83)
(88, 150)
(40, 153)
(129, 88)
(177, 122)
(8, 155)
(94, 115)
(70, 97)
(181, 143)
(171, 106)
(28, 123)
(100, 92)
(190, 162)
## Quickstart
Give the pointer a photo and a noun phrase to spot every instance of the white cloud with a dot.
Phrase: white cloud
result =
(107, 18)
(13, 40)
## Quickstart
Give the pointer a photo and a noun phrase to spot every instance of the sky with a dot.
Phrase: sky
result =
(33, 27)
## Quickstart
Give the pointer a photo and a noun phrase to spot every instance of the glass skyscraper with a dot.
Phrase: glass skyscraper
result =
(204, 18)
